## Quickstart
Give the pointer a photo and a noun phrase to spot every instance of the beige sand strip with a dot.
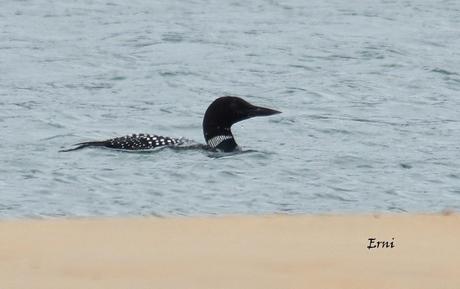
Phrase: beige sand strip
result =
(276, 252)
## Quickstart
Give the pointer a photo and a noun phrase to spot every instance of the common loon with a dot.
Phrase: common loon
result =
(221, 114)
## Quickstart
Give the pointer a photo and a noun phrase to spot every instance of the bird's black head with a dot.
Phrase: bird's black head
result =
(222, 114)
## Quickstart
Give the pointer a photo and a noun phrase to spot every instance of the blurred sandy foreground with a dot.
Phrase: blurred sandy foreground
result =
(282, 252)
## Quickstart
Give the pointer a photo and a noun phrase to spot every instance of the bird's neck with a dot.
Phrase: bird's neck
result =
(219, 137)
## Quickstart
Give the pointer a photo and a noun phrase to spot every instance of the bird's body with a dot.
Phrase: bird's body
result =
(133, 142)
(217, 121)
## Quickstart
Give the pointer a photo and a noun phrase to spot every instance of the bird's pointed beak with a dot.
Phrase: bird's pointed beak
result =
(261, 111)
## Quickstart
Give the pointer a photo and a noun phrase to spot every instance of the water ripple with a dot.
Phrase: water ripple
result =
(369, 95)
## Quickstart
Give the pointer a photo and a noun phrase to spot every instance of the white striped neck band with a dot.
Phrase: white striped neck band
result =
(217, 140)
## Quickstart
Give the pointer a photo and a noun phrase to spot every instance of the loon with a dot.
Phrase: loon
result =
(221, 114)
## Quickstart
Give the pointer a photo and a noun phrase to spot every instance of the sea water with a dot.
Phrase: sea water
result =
(369, 90)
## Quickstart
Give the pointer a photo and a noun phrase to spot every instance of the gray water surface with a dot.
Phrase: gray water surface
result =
(369, 90)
